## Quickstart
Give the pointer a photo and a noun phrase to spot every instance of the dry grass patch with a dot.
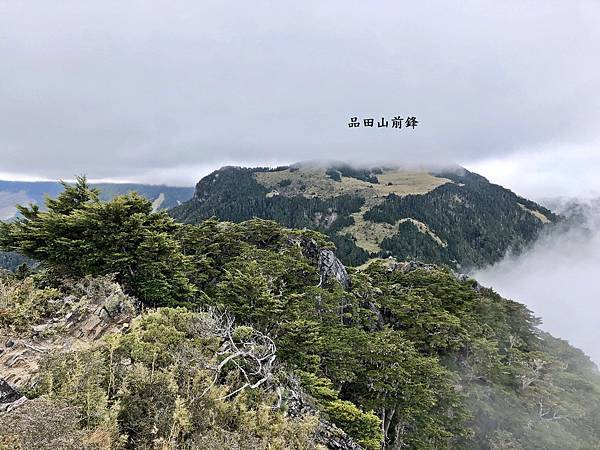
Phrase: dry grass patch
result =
(534, 213)
(314, 182)
(369, 235)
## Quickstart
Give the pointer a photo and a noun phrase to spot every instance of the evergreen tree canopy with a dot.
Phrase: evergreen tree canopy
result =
(80, 235)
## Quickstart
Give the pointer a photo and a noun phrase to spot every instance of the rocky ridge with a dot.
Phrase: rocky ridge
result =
(79, 322)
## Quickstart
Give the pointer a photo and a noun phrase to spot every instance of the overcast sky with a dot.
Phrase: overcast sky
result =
(167, 91)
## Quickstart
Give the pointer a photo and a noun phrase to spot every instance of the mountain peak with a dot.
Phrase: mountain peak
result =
(378, 211)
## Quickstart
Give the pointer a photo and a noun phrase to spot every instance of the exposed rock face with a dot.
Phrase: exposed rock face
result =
(330, 267)
(462, 277)
(87, 321)
(334, 438)
(327, 433)
(409, 266)
(9, 397)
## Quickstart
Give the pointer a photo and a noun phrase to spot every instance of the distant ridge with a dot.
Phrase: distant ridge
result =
(453, 217)
(25, 192)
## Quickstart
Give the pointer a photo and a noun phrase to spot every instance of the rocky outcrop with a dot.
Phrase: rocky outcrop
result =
(330, 267)
(83, 320)
(410, 266)
(10, 398)
(334, 438)
(327, 434)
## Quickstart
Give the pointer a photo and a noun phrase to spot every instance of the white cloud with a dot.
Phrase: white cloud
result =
(557, 280)
(566, 170)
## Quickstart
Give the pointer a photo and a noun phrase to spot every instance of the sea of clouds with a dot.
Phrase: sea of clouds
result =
(558, 278)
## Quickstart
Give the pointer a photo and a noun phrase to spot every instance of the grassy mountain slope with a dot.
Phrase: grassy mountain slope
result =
(455, 217)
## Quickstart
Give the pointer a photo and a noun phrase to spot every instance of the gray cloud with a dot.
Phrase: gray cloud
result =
(168, 90)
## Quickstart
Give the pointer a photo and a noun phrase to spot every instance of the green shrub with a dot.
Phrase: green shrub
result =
(364, 427)
(22, 304)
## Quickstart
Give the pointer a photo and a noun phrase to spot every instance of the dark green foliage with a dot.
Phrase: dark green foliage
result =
(232, 193)
(345, 245)
(334, 174)
(555, 404)
(255, 270)
(36, 192)
(23, 271)
(373, 348)
(346, 170)
(410, 243)
(507, 368)
(80, 235)
(478, 220)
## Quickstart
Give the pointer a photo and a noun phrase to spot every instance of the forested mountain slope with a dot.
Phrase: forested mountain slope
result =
(453, 217)
(255, 334)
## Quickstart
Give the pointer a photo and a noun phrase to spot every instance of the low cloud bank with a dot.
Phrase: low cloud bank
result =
(559, 277)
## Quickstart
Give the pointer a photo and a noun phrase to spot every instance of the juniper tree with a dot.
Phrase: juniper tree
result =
(80, 235)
